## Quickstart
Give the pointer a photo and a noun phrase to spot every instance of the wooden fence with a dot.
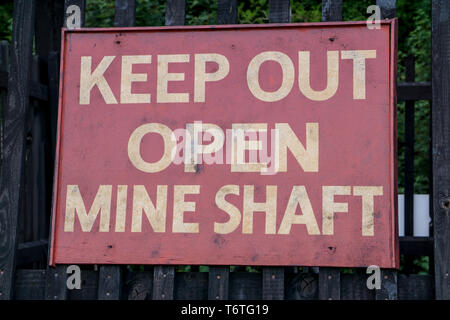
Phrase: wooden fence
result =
(29, 78)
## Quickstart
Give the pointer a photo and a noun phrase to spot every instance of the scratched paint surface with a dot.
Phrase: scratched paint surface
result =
(356, 147)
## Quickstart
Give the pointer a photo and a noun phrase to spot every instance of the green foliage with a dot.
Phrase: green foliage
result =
(150, 13)
(255, 11)
(306, 11)
(355, 10)
(201, 12)
(423, 263)
(6, 13)
(99, 13)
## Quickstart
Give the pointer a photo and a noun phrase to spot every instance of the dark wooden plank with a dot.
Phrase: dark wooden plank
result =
(279, 11)
(125, 14)
(164, 276)
(409, 164)
(163, 282)
(218, 283)
(68, 14)
(3, 77)
(331, 10)
(415, 287)
(329, 278)
(29, 284)
(138, 285)
(36, 180)
(245, 286)
(37, 90)
(53, 87)
(110, 276)
(273, 283)
(389, 287)
(302, 286)
(49, 20)
(409, 153)
(354, 286)
(416, 246)
(273, 277)
(440, 118)
(329, 284)
(29, 206)
(56, 287)
(413, 91)
(4, 58)
(15, 112)
(56, 283)
(175, 12)
(31, 251)
(191, 286)
(387, 8)
(227, 12)
(89, 287)
(109, 282)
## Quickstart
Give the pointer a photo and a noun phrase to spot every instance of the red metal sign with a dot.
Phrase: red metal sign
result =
(228, 145)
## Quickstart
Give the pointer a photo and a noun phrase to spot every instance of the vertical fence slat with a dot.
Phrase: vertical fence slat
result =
(409, 163)
(175, 12)
(163, 282)
(440, 143)
(4, 49)
(389, 287)
(110, 276)
(273, 283)
(218, 283)
(4, 58)
(273, 277)
(330, 278)
(409, 153)
(37, 180)
(331, 10)
(56, 283)
(53, 92)
(227, 12)
(279, 11)
(109, 283)
(329, 284)
(81, 4)
(53, 85)
(125, 14)
(12, 170)
(219, 276)
(56, 287)
(389, 284)
(49, 20)
(387, 8)
(164, 276)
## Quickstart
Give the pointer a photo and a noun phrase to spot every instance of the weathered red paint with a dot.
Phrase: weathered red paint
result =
(357, 146)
